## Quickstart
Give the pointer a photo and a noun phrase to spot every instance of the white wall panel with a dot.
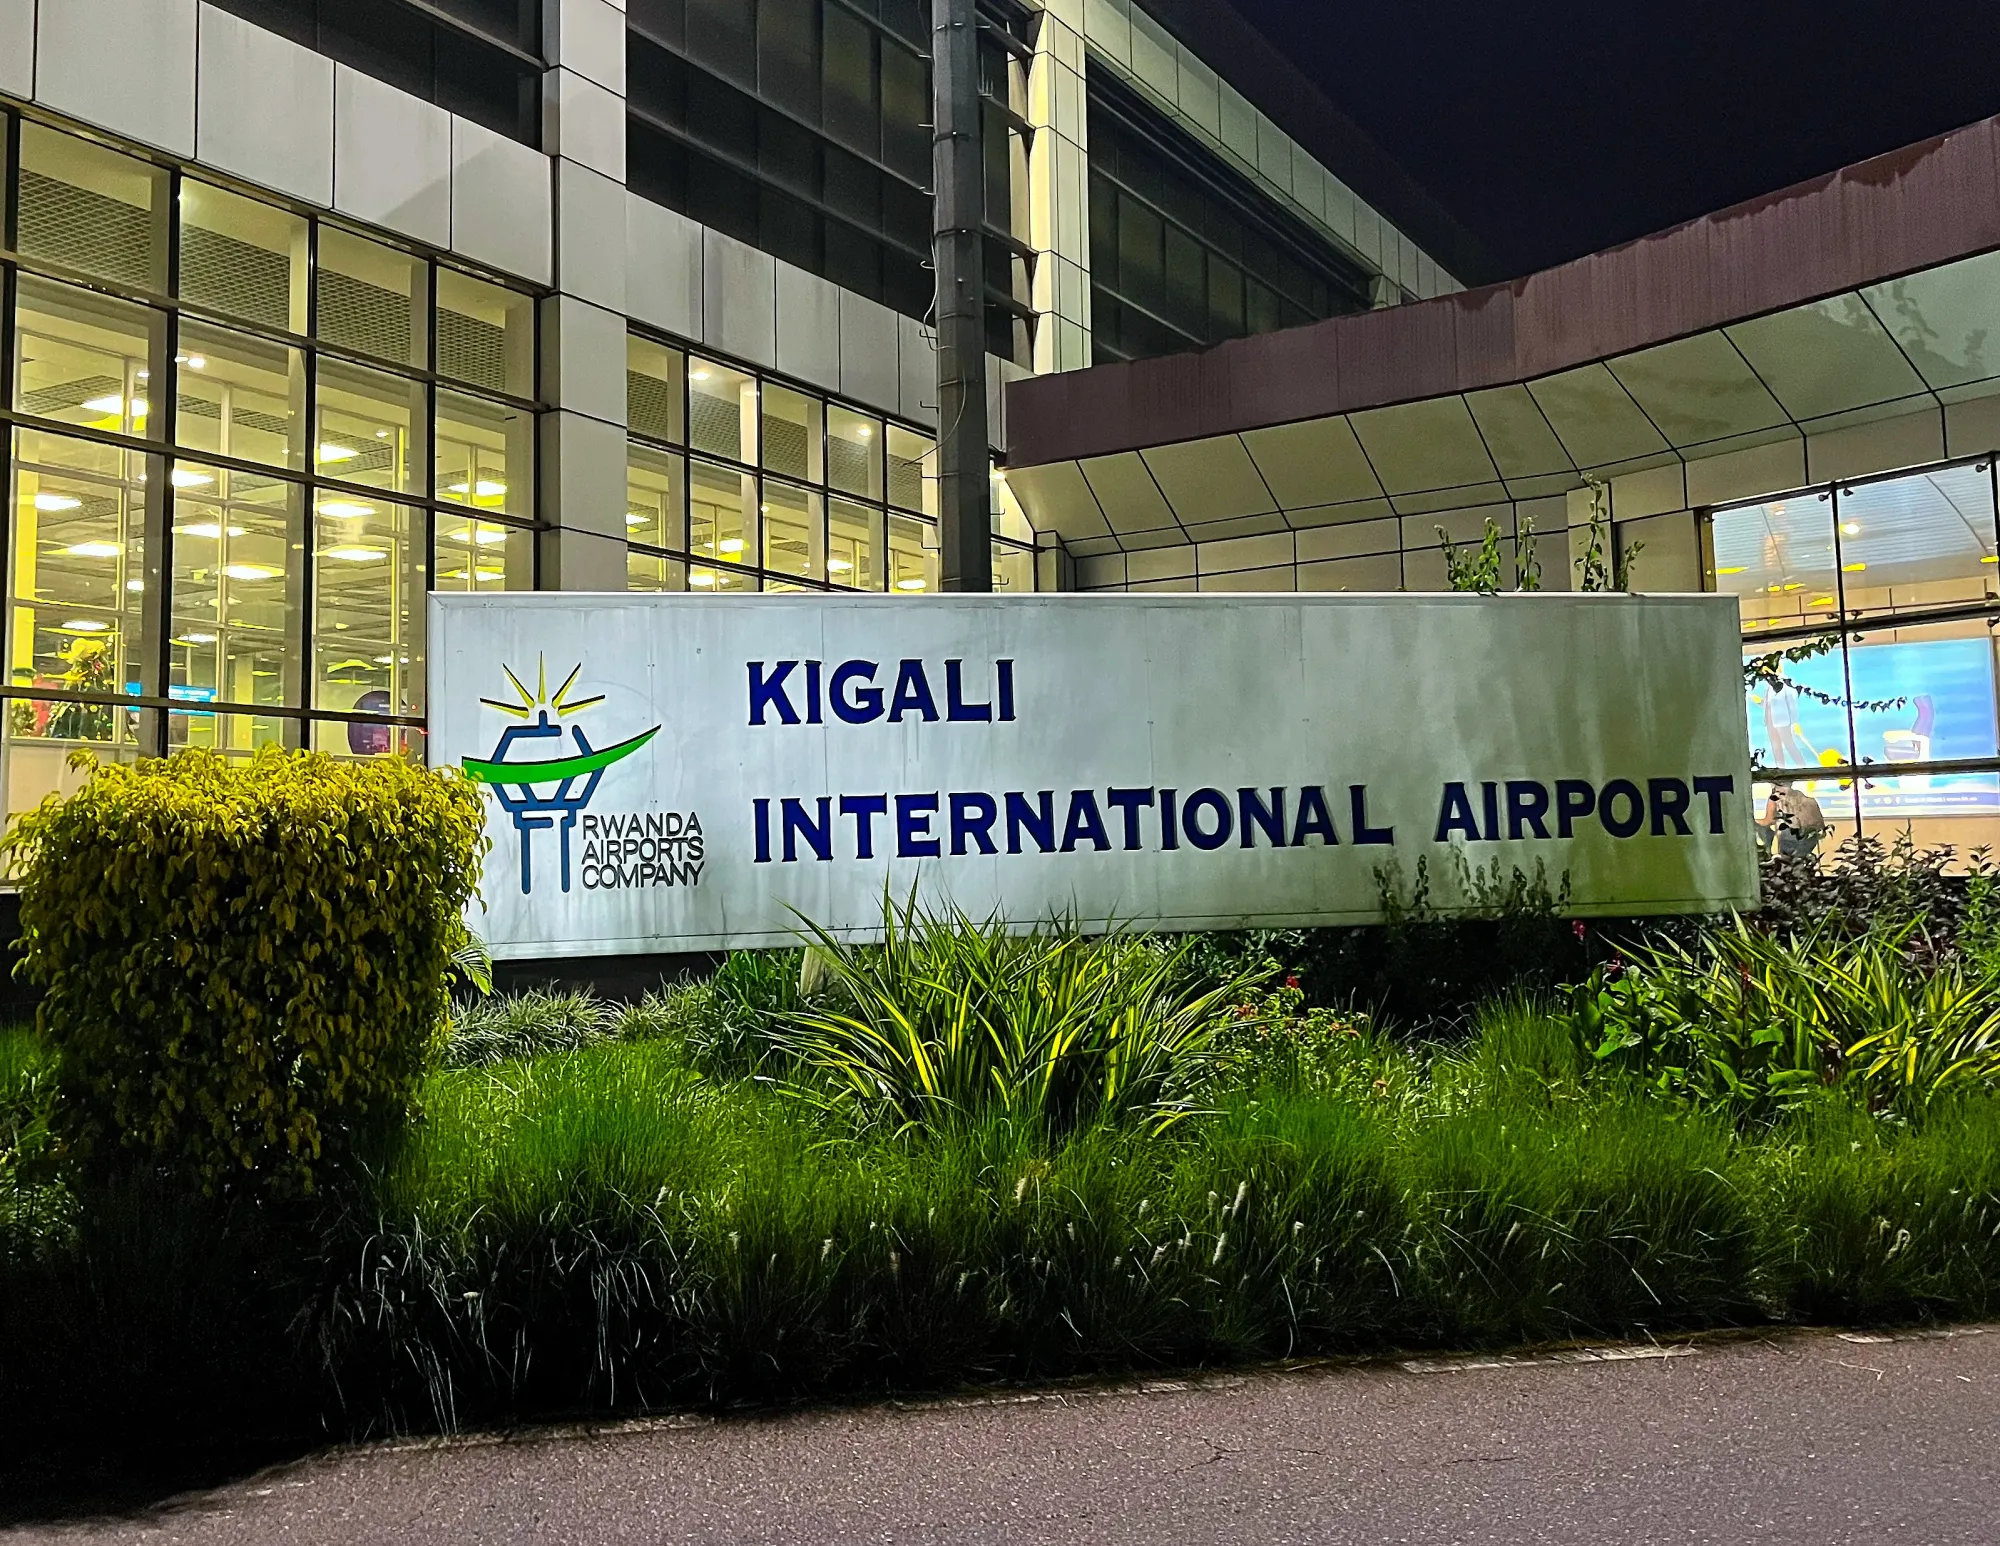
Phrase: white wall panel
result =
(391, 158)
(124, 65)
(585, 368)
(587, 36)
(808, 327)
(263, 107)
(663, 267)
(500, 203)
(17, 47)
(869, 368)
(916, 351)
(739, 299)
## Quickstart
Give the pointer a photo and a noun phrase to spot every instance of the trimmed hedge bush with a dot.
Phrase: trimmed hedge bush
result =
(244, 962)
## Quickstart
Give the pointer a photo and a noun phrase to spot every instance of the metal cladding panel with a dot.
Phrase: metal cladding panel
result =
(668, 773)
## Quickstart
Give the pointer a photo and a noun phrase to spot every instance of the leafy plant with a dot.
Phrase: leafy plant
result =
(525, 1025)
(1752, 1023)
(244, 963)
(950, 1021)
(1479, 571)
(1606, 564)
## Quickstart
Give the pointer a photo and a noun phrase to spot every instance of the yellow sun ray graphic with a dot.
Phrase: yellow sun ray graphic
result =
(541, 697)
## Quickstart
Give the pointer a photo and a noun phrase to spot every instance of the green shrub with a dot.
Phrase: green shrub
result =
(244, 963)
(524, 1025)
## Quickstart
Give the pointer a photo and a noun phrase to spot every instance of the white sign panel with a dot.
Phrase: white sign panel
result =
(696, 772)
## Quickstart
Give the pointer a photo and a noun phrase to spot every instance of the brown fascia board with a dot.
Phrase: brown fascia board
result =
(1911, 209)
(1220, 36)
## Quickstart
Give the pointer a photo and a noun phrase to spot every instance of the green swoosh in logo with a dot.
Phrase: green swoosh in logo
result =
(554, 772)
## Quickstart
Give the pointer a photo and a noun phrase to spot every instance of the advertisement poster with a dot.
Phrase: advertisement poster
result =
(1946, 712)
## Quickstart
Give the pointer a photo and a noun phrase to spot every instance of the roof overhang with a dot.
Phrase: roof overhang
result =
(1866, 294)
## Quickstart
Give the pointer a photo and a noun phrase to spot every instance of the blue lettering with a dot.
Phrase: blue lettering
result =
(913, 693)
(1170, 834)
(1715, 786)
(813, 714)
(1455, 815)
(972, 816)
(1085, 823)
(1268, 819)
(1490, 798)
(864, 808)
(1668, 798)
(1038, 820)
(1357, 799)
(913, 826)
(1314, 818)
(818, 835)
(956, 708)
(1004, 669)
(1575, 800)
(762, 811)
(866, 703)
(1212, 800)
(1621, 789)
(1527, 804)
(1131, 802)
(769, 693)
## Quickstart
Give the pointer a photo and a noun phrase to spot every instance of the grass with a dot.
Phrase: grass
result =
(601, 1209)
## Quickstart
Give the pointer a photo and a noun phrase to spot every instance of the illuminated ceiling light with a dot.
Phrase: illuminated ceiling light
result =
(730, 545)
(909, 585)
(838, 566)
(182, 477)
(634, 518)
(1990, 559)
(1737, 569)
(84, 625)
(381, 434)
(56, 502)
(865, 431)
(135, 584)
(330, 451)
(1852, 568)
(698, 375)
(385, 660)
(115, 406)
(345, 509)
(194, 638)
(354, 553)
(206, 529)
(251, 571)
(1850, 528)
(93, 550)
(198, 362)
(1777, 509)
(489, 536)
(699, 578)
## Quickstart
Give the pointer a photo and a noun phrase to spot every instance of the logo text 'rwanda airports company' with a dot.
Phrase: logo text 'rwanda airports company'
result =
(550, 792)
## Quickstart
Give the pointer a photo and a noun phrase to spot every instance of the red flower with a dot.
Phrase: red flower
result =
(1292, 982)
(1578, 929)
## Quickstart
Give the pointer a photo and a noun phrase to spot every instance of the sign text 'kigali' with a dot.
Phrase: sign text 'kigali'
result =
(709, 771)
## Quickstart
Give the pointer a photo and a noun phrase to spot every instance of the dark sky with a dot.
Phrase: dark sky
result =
(1555, 129)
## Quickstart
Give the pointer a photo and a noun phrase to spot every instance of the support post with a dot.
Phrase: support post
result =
(958, 212)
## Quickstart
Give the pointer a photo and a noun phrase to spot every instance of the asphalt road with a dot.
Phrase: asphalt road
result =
(1815, 1439)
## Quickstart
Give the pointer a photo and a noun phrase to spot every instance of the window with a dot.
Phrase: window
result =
(773, 487)
(1884, 593)
(803, 128)
(247, 443)
(1186, 252)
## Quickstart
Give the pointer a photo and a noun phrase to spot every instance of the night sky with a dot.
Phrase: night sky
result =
(1555, 129)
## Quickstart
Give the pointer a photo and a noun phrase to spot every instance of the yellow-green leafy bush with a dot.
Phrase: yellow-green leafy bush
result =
(244, 963)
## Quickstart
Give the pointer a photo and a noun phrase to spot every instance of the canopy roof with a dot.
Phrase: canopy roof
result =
(1866, 294)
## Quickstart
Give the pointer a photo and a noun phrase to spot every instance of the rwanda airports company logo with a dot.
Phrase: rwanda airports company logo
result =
(552, 793)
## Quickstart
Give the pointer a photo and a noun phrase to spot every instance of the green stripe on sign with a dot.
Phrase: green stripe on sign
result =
(524, 773)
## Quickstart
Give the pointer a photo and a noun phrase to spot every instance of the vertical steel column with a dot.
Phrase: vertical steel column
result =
(958, 207)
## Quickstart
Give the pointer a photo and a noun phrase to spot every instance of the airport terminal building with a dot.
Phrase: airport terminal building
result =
(311, 307)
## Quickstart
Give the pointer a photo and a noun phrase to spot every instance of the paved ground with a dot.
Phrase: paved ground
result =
(1814, 1439)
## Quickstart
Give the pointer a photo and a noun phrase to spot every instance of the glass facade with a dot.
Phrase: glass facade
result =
(738, 482)
(241, 443)
(1184, 251)
(1895, 581)
(803, 128)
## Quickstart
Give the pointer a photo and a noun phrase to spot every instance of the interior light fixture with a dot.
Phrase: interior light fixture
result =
(909, 585)
(53, 503)
(333, 451)
(634, 518)
(84, 625)
(207, 529)
(251, 571)
(135, 585)
(115, 406)
(93, 550)
(354, 553)
(838, 566)
(1733, 569)
(345, 509)
(730, 545)
(701, 579)
(194, 638)
(697, 375)
(186, 477)
(1850, 528)
(1852, 568)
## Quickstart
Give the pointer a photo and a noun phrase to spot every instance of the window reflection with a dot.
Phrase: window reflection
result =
(243, 258)
(475, 555)
(369, 578)
(653, 512)
(912, 470)
(371, 428)
(240, 396)
(854, 545)
(237, 545)
(1779, 560)
(913, 556)
(722, 411)
(83, 358)
(373, 299)
(655, 378)
(655, 572)
(1918, 542)
(722, 514)
(794, 535)
(85, 207)
(80, 575)
(485, 334)
(480, 443)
